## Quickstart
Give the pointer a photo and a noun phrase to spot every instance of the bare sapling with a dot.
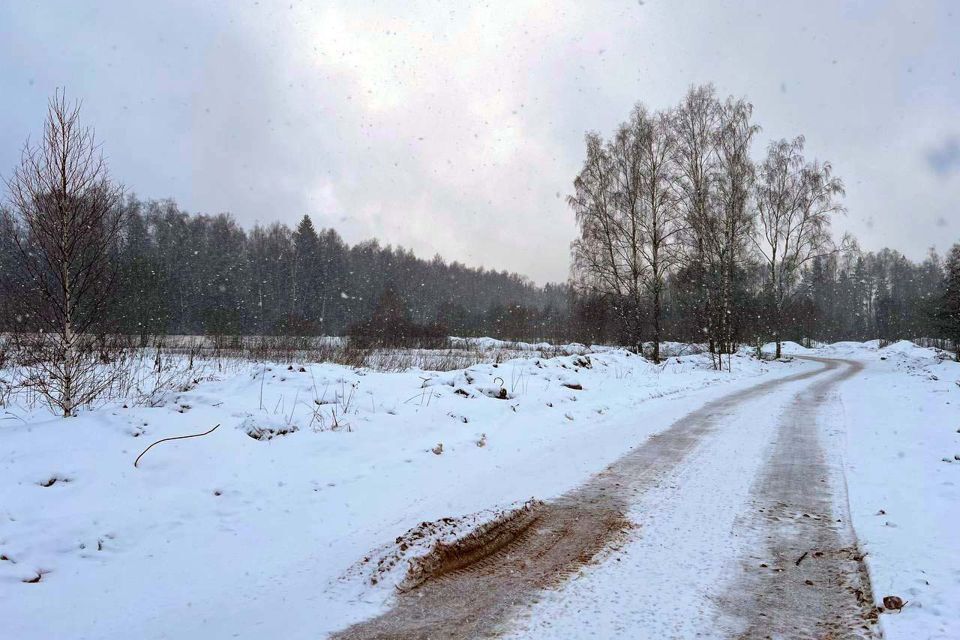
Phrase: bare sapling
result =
(66, 219)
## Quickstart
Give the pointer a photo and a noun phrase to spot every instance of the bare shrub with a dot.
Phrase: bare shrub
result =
(390, 326)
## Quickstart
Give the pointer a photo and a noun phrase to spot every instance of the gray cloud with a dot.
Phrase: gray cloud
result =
(944, 159)
(452, 128)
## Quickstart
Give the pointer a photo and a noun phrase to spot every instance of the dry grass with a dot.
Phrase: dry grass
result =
(455, 354)
(149, 371)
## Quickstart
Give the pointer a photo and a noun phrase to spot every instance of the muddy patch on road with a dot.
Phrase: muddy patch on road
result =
(464, 588)
(575, 536)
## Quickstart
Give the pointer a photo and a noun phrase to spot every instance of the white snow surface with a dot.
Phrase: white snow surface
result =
(787, 348)
(668, 579)
(898, 443)
(230, 536)
(902, 424)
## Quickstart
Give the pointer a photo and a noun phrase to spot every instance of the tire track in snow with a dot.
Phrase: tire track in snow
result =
(475, 601)
(808, 579)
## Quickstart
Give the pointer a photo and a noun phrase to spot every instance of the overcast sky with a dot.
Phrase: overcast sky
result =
(457, 128)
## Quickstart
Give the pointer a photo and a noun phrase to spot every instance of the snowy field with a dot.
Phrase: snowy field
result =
(902, 449)
(901, 444)
(262, 526)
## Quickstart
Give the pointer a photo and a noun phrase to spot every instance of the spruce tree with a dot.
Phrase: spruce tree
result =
(949, 316)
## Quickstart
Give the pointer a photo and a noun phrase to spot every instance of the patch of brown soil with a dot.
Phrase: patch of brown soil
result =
(477, 547)
(463, 589)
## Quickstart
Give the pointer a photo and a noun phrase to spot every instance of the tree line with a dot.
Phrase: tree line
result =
(182, 274)
(851, 295)
(683, 235)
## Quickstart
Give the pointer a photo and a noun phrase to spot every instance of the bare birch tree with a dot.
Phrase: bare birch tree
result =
(714, 174)
(795, 201)
(627, 211)
(607, 257)
(64, 209)
(660, 219)
(695, 124)
(736, 214)
(678, 193)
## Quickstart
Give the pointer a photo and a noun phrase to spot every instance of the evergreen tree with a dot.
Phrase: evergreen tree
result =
(949, 314)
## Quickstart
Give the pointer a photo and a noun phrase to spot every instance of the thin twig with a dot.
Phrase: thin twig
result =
(193, 435)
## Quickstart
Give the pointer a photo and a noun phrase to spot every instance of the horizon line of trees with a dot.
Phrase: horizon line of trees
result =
(183, 274)
(684, 235)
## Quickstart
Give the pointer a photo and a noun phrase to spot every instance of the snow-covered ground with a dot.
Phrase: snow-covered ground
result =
(250, 531)
(901, 444)
(896, 441)
(900, 438)
(902, 418)
(231, 536)
(668, 578)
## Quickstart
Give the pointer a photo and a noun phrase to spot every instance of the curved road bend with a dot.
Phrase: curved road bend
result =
(797, 503)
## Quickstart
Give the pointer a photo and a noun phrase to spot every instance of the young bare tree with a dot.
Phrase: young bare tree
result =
(795, 201)
(660, 219)
(735, 214)
(66, 220)
(607, 257)
(695, 123)
(627, 211)
(714, 174)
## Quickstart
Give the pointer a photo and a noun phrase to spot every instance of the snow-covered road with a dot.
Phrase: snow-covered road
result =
(772, 526)
(722, 504)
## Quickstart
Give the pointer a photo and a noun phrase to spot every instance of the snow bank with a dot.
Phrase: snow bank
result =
(490, 344)
(787, 348)
(406, 562)
(903, 471)
(910, 350)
